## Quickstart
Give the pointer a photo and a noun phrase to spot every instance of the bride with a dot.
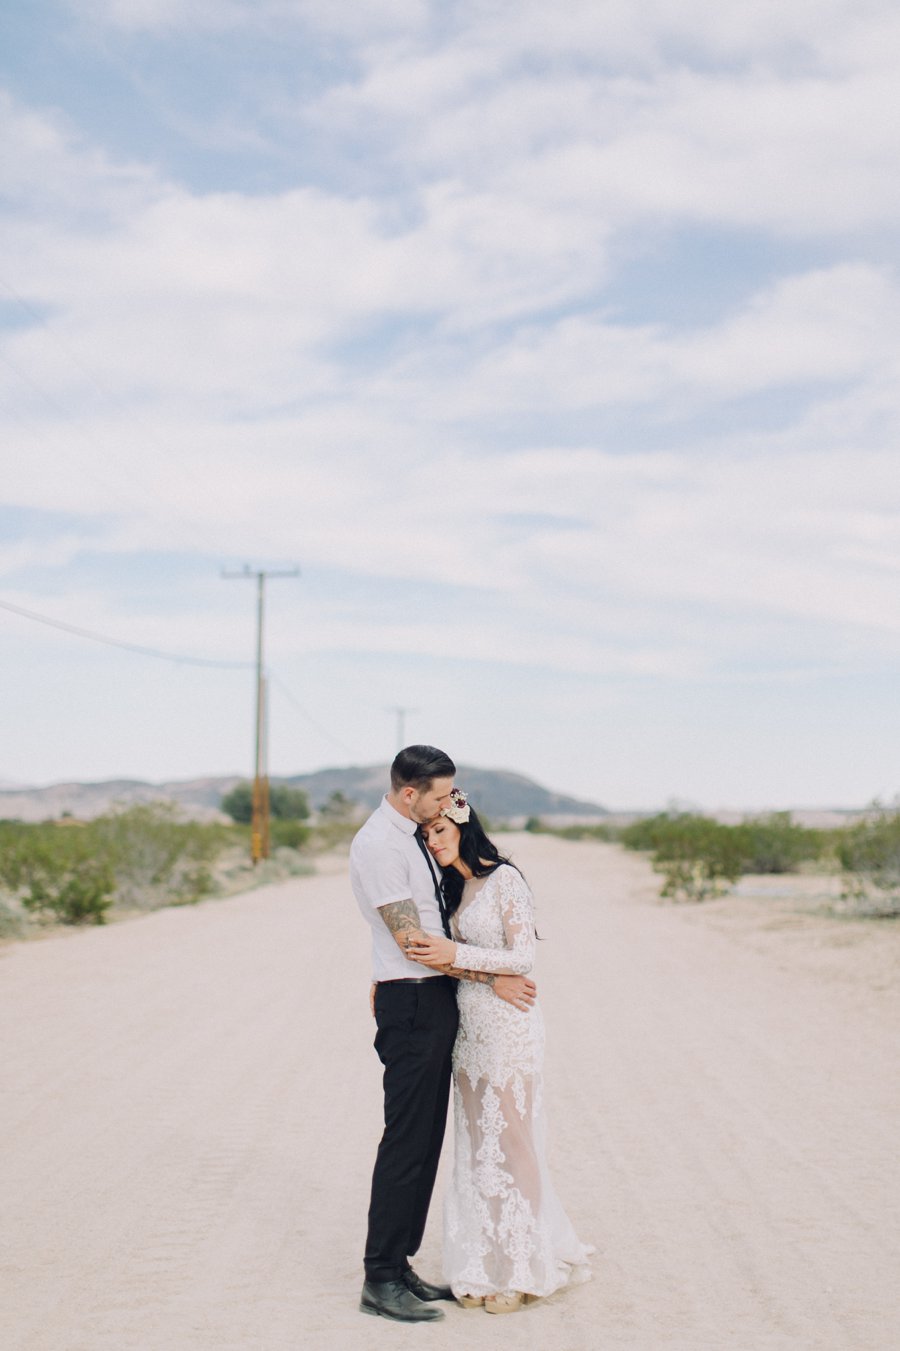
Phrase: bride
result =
(506, 1235)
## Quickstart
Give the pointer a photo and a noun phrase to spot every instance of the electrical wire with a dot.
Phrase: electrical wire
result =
(177, 657)
(335, 741)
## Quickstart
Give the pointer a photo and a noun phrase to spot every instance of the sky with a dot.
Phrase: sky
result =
(556, 345)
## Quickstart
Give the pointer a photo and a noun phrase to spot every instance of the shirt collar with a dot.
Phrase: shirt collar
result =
(403, 823)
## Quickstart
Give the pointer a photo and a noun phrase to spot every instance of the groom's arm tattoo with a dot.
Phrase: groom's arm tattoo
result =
(402, 918)
(479, 977)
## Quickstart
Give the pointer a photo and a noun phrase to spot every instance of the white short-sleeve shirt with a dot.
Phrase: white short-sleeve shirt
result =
(386, 864)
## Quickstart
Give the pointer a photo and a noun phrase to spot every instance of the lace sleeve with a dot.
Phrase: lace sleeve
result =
(516, 907)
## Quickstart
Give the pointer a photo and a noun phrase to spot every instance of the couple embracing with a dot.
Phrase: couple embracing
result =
(453, 937)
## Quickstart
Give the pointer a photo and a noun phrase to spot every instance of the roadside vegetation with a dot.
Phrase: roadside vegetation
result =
(147, 856)
(86, 872)
(698, 857)
(869, 856)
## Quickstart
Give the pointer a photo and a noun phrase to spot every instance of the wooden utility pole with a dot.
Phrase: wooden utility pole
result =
(259, 824)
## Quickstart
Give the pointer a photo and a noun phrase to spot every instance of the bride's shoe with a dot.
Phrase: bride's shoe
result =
(471, 1301)
(503, 1303)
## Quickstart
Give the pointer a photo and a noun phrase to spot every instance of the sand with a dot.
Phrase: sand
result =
(190, 1107)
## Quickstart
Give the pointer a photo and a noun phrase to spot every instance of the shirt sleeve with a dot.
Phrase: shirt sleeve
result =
(517, 913)
(385, 878)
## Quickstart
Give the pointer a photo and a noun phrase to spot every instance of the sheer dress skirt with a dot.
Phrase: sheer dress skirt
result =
(504, 1227)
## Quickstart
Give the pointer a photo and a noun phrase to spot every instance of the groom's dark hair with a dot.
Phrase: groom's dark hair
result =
(416, 766)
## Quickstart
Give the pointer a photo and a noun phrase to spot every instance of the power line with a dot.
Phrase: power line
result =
(336, 741)
(116, 642)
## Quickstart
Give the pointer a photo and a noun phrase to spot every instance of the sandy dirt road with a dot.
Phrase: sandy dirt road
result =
(190, 1107)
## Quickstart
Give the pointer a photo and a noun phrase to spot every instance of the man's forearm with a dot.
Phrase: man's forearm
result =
(459, 973)
(402, 918)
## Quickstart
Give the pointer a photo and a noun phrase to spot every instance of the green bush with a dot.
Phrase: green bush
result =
(332, 834)
(285, 803)
(80, 893)
(75, 871)
(869, 854)
(645, 833)
(157, 857)
(698, 857)
(55, 873)
(289, 834)
(774, 844)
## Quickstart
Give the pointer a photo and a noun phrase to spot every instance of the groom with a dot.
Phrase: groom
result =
(398, 891)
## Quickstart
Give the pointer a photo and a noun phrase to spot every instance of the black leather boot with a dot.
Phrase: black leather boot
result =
(424, 1289)
(393, 1299)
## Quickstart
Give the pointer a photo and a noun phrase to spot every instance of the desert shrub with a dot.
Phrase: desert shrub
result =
(869, 855)
(332, 834)
(285, 803)
(79, 893)
(289, 834)
(55, 873)
(74, 871)
(698, 857)
(156, 856)
(774, 844)
(645, 833)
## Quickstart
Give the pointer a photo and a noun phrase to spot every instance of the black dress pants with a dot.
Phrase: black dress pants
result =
(416, 1030)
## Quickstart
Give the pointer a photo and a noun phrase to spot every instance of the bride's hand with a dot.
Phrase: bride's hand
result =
(432, 950)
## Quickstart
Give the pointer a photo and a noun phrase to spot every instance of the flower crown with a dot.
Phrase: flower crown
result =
(458, 810)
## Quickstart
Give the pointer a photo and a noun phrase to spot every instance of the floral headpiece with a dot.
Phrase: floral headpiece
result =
(458, 810)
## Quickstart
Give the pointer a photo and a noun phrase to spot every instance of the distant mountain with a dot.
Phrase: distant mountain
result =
(497, 793)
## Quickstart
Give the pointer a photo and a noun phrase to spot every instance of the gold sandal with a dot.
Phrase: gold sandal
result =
(471, 1301)
(503, 1303)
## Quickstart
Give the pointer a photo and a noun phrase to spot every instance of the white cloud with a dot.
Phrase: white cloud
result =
(822, 327)
(407, 376)
(47, 171)
(534, 108)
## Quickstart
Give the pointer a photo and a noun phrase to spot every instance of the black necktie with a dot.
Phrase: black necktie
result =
(439, 895)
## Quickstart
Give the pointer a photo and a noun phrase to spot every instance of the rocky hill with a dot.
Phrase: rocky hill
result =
(498, 794)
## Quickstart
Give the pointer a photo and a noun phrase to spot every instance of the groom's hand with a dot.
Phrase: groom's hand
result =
(520, 991)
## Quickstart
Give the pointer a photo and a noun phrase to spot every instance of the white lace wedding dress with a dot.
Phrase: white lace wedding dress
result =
(504, 1227)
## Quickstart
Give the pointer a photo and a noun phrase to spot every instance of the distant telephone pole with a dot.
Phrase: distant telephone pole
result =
(259, 823)
(401, 724)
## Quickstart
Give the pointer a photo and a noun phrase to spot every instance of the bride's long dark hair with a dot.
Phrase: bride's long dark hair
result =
(478, 853)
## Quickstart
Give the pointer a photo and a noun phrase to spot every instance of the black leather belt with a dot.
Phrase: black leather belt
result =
(409, 980)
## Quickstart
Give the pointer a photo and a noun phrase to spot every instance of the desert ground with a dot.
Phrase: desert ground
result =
(191, 1103)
